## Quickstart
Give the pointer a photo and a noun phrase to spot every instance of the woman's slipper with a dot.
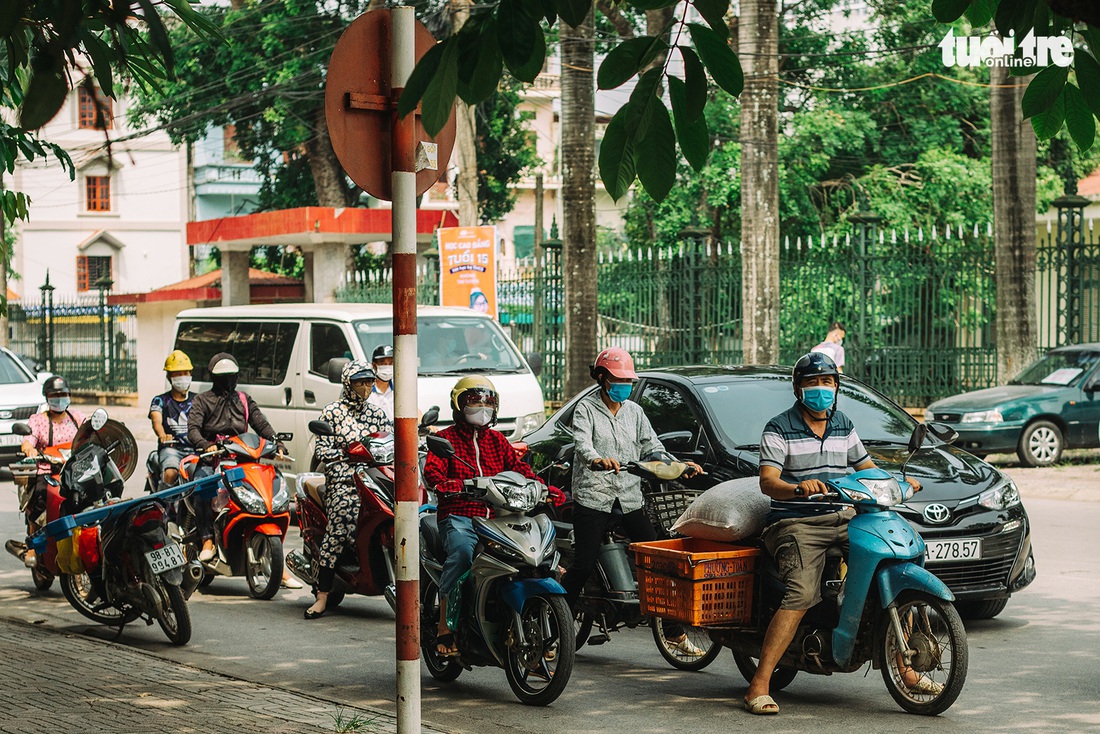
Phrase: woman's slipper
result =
(761, 706)
(310, 614)
(445, 645)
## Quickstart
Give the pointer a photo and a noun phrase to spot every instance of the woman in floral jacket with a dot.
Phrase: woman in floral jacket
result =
(352, 419)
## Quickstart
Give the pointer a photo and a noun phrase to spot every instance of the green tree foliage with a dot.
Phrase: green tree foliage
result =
(505, 152)
(641, 140)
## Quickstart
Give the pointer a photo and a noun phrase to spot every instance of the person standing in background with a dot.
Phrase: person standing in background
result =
(833, 346)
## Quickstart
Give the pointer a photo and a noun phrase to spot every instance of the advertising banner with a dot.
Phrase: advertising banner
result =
(467, 268)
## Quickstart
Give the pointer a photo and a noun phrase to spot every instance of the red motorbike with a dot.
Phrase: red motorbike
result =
(366, 566)
(250, 520)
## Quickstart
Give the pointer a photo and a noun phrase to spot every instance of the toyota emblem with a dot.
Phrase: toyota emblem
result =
(936, 513)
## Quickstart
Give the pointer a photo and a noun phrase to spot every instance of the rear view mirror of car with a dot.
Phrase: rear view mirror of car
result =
(336, 369)
(677, 440)
(943, 432)
(534, 360)
(920, 432)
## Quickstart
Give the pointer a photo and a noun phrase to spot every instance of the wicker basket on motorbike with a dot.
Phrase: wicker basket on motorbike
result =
(698, 582)
(664, 508)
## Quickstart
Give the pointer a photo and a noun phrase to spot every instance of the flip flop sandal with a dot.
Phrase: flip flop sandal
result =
(761, 706)
(447, 642)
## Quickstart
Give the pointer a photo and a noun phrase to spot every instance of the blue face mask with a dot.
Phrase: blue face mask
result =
(58, 405)
(619, 391)
(818, 399)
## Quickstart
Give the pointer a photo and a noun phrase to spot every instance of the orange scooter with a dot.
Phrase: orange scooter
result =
(250, 520)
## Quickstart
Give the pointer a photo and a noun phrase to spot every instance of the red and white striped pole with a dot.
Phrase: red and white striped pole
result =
(406, 522)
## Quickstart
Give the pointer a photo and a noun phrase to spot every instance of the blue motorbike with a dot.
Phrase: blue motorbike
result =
(887, 609)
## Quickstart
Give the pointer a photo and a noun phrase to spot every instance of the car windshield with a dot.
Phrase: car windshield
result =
(741, 407)
(10, 372)
(450, 345)
(1058, 368)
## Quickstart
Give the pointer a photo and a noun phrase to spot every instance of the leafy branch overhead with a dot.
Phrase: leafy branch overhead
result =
(641, 140)
(1063, 36)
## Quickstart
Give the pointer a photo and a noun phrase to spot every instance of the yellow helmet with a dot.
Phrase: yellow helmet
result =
(177, 362)
(469, 387)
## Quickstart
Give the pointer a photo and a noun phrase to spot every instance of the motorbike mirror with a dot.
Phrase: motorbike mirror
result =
(916, 440)
(534, 359)
(943, 432)
(336, 369)
(99, 419)
(431, 415)
(441, 447)
(320, 428)
(21, 429)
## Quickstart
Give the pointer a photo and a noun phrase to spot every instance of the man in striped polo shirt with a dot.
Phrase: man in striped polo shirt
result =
(800, 450)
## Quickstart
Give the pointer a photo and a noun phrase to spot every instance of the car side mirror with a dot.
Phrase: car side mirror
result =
(943, 432)
(916, 440)
(1093, 385)
(21, 429)
(677, 440)
(440, 446)
(534, 359)
(336, 369)
(321, 428)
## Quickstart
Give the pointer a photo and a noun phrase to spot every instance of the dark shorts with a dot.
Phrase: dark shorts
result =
(798, 546)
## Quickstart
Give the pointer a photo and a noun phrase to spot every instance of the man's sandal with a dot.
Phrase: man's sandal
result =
(761, 706)
(445, 645)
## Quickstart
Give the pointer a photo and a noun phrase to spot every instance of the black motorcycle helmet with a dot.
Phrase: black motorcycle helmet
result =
(812, 365)
(54, 386)
(383, 351)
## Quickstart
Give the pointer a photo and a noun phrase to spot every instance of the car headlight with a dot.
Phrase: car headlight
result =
(929, 416)
(988, 416)
(1000, 497)
(527, 423)
(885, 492)
(280, 497)
(250, 500)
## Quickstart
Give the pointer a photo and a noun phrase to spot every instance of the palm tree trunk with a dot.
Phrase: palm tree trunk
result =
(578, 162)
(1014, 233)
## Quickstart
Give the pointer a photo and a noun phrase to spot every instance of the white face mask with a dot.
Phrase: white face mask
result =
(59, 405)
(181, 383)
(384, 372)
(478, 416)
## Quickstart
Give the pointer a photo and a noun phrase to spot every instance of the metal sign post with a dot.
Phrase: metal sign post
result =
(368, 70)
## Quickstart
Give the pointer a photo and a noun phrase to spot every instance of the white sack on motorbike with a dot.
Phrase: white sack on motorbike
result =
(726, 512)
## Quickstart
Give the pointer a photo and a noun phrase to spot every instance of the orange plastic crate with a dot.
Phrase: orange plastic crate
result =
(698, 582)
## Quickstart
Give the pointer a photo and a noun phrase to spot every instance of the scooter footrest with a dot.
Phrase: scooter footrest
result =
(598, 639)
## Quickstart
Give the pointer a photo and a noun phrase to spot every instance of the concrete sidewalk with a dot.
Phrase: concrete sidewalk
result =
(58, 682)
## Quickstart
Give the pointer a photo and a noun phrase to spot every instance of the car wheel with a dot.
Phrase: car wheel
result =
(1041, 444)
(981, 609)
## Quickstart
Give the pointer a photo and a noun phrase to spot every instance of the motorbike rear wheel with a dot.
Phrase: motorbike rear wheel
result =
(441, 668)
(263, 565)
(172, 613)
(82, 596)
(539, 669)
(680, 660)
(582, 625)
(781, 676)
(934, 631)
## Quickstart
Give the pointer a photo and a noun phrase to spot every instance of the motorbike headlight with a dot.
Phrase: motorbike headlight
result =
(885, 492)
(381, 449)
(250, 500)
(527, 423)
(1001, 497)
(521, 498)
(280, 497)
(987, 416)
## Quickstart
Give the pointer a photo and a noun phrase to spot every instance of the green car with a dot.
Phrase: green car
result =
(1051, 406)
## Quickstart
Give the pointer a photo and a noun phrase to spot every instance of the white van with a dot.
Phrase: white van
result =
(284, 352)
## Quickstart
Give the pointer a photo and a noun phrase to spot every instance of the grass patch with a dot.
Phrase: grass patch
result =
(353, 722)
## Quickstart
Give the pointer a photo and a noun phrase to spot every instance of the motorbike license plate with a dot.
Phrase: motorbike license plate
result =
(951, 551)
(283, 465)
(166, 558)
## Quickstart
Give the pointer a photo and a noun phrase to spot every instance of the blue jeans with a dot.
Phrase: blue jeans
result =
(459, 540)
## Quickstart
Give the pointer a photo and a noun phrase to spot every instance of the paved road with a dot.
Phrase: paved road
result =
(1034, 669)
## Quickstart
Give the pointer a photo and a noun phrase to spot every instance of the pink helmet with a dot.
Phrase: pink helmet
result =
(618, 363)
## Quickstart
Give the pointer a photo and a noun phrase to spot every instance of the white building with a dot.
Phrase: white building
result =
(124, 216)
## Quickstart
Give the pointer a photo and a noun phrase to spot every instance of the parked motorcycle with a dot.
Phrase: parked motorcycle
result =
(367, 565)
(250, 520)
(887, 609)
(115, 561)
(609, 600)
(510, 612)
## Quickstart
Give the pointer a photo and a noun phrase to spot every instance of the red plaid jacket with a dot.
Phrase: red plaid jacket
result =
(483, 448)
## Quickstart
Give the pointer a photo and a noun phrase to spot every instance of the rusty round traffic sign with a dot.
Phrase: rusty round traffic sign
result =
(359, 106)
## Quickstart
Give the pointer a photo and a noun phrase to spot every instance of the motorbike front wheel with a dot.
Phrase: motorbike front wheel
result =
(781, 676)
(539, 668)
(700, 651)
(264, 565)
(82, 596)
(172, 613)
(935, 642)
